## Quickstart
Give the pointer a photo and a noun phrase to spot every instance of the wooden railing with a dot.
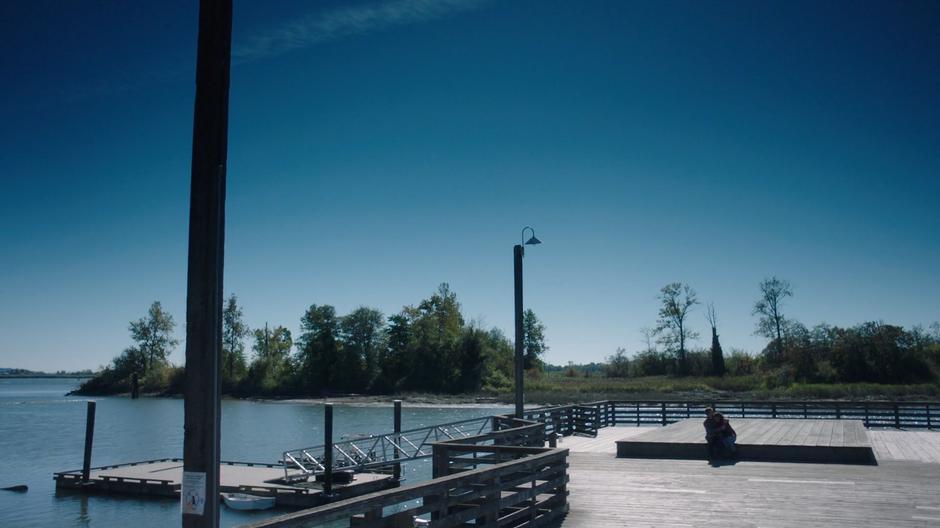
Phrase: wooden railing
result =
(587, 418)
(502, 478)
(505, 477)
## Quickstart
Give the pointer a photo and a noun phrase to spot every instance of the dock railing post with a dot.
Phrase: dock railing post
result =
(664, 412)
(397, 420)
(866, 414)
(897, 417)
(328, 449)
(89, 439)
(929, 425)
(773, 410)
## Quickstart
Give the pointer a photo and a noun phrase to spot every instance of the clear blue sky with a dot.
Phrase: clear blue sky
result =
(378, 148)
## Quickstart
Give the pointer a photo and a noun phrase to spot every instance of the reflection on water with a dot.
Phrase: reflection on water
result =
(42, 431)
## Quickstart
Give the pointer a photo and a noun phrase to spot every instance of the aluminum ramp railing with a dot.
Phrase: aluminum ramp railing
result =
(377, 451)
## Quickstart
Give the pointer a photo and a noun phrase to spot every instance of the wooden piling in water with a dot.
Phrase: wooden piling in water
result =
(89, 439)
(204, 288)
(328, 448)
(397, 429)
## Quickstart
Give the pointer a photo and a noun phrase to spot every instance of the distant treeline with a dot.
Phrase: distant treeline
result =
(425, 347)
(430, 347)
(23, 373)
(871, 352)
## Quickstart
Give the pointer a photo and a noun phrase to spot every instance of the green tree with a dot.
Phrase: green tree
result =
(234, 331)
(471, 353)
(436, 324)
(129, 362)
(397, 356)
(672, 326)
(319, 349)
(769, 308)
(272, 344)
(877, 352)
(618, 365)
(270, 371)
(498, 361)
(363, 334)
(533, 340)
(154, 337)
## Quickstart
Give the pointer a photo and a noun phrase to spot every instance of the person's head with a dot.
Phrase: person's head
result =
(709, 412)
(719, 417)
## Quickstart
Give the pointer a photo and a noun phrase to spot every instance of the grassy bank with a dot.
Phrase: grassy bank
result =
(550, 389)
(557, 389)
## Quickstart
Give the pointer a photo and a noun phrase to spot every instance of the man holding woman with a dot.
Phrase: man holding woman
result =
(719, 435)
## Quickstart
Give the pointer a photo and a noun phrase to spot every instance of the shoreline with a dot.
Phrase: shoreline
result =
(410, 400)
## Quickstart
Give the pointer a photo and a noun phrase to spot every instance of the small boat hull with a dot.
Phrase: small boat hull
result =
(244, 501)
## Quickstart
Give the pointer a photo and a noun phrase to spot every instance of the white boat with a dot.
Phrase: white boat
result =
(244, 501)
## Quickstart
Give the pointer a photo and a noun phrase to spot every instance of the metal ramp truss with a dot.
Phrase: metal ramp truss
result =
(376, 451)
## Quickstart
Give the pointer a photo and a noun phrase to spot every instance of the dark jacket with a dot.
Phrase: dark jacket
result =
(725, 429)
(711, 428)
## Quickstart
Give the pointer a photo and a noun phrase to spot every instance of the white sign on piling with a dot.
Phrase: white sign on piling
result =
(193, 494)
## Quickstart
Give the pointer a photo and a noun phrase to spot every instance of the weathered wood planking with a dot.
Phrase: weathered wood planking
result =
(919, 446)
(837, 441)
(914, 446)
(613, 492)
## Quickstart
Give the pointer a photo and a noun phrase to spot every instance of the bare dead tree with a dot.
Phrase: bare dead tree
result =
(717, 355)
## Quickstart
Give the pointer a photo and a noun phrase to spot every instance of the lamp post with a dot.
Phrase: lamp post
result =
(517, 253)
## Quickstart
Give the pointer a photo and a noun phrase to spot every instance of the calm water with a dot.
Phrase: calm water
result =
(42, 431)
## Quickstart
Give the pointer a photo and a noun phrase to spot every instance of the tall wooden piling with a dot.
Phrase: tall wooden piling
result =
(328, 448)
(201, 407)
(89, 440)
(397, 430)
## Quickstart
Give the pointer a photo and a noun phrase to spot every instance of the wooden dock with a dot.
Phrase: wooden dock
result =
(163, 478)
(820, 441)
(902, 490)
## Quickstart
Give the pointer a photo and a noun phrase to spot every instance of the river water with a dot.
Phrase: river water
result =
(43, 431)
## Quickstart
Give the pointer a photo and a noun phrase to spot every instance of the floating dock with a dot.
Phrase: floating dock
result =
(163, 478)
(818, 441)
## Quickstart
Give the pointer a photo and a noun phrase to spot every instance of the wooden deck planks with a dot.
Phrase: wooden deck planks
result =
(835, 433)
(920, 446)
(606, 491)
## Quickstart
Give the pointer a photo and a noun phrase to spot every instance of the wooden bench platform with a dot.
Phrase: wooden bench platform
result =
(818, 441)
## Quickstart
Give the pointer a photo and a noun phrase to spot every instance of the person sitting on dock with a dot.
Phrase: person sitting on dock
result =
(712, 435)
(726, 434)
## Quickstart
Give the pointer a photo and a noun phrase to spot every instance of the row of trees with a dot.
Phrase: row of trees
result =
(673, 329)
(424, 347)
(868, 352)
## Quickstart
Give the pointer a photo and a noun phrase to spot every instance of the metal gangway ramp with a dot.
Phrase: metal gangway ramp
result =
(376, 451)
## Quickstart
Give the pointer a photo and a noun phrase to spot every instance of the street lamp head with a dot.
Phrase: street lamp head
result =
(532, 241)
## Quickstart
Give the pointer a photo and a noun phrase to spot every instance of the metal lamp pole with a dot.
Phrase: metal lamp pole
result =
(517, 253)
